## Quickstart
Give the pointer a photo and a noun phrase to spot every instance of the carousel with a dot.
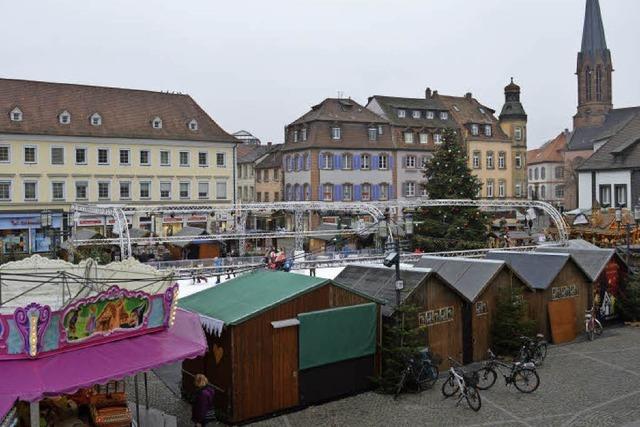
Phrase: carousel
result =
(605, 228)
(70, 334)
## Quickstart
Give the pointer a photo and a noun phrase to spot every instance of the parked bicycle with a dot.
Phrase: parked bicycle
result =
(533, 350)
(592, 325)
(463, 383)
(522, 375)
(419, 374)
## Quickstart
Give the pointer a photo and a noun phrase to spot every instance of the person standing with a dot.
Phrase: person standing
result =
(202, 412)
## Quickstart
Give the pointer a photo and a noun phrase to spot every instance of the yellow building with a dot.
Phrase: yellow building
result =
(62, 144)
(489, 149)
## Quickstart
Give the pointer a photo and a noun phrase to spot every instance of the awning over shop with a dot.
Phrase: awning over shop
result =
(192, 232)
(65, 373)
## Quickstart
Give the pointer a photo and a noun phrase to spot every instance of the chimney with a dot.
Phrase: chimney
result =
(427, 93)
(269, 144)
(435, 93)
(468, 95)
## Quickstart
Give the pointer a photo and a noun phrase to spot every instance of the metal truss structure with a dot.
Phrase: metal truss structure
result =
(376, 210)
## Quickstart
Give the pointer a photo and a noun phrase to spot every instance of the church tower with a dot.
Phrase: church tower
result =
(513, 121)
(593, 71)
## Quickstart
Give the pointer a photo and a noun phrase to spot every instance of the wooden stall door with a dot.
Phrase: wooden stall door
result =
(467, 334)
(562, 319)
(285, 368)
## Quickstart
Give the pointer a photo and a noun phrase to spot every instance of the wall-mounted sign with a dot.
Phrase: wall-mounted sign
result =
(481, 308)
(432, 317)
(561, 292)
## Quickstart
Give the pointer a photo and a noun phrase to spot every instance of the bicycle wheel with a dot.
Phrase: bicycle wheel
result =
(541, 351)
(473, 398)
(449, 386)
(400, 385)
(486, 378)
(598, 328)
(590, 333)
(526, 380)
(428, 377)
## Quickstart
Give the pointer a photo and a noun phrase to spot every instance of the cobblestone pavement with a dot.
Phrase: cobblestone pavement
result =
(582, 384)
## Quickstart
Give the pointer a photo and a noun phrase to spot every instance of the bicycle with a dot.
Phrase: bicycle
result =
(463, 383)
(418, 375)
(592, 325)
(533, 350)
(522, 375)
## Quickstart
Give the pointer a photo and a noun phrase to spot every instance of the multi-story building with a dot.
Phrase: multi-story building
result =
(248, 155)
(339, 151)
(65, 143)
(513, 122)
(416, 126)
(545, 166)
(270, 186)
(489, 149)
(601, 159)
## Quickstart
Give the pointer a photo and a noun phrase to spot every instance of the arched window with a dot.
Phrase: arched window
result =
(297, 195)
(587, 83)
(296, 162)
(95, 119)
(156, 123)
(307, 163)
(16, 115)
(543, 192)
(327, 192)
(193, 125)
(599, 83)
(287, 193)
(326, 161)
(64, 118)
(365, 162)
(287, 163)
(347, 192)
(384, 191)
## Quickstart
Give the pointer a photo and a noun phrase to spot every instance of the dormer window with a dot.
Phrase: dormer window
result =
(475, 130)
(487, 130)
(303, 134)
(64, 118)
(416, 114)
(444, 115)
(96, 119)
(430, 115)
(156, 123)
(402, 114)
(481, 110)
(456, 108)
(16, 115)
(193, 125)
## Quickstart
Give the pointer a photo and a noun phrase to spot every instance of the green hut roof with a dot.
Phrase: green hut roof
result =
(239, 299)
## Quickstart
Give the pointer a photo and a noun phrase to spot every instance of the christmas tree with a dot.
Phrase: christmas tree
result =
(510, 322)
(448, 177)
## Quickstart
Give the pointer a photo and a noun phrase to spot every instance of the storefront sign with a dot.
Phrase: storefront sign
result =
(90, 221)
(197, 218)
(172, 220)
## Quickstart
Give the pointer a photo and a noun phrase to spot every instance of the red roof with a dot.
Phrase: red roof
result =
(125, 113)
(551, 152)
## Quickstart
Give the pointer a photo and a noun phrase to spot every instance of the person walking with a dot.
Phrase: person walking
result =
(202, 412)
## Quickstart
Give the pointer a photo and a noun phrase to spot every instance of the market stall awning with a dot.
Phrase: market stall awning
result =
(65, 373)
(6, 403)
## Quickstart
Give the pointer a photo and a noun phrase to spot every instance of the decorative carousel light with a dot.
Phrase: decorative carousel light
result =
(33, 335)
(174, 306)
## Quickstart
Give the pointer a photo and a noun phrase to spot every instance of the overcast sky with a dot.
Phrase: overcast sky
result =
(258, 65)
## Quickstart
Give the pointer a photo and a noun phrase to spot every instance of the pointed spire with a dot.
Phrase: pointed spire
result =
(593, 39)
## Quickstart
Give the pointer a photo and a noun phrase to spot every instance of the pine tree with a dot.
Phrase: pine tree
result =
(449, 177)
(629, 300)
(510, 323)
(402, 339)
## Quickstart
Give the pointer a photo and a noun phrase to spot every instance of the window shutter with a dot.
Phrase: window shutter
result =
(356, 162)
(392, 194)
(375, 190)
(336, 162)
(390, 160)
(320, 193)
(404, 189)
(308, 162)
(356, 192)
(404, 161)
(374, 162)
(337, 192)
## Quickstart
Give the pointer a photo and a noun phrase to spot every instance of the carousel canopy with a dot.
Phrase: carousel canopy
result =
(65, 373)
(56, 283)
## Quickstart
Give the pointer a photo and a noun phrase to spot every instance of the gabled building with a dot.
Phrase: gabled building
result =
(247, 156)
(339, 151)
(545, 166)
(416, 126)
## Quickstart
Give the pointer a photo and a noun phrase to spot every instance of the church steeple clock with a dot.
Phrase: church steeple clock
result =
(594, 71)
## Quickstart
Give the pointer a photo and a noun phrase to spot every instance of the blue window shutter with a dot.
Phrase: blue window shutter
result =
(320, 194)
(390, 159)
(392, 194)
(356, 162)
(308, 162)
(376, 192)
(356, 192)
(337, 193)
(336, 162)
(374, 162)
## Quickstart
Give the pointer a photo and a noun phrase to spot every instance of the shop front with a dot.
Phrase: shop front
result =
(22, 233)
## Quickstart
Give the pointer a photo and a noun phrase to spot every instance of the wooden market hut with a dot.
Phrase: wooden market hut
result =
(439, 304)
(282, 340)
(606, 270)
(193, 247)
(479, 282)
(563, 290)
